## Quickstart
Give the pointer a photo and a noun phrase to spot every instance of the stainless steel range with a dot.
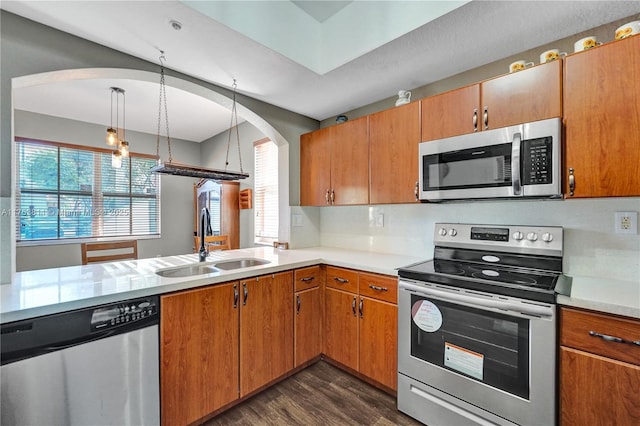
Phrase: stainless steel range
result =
(477, 327)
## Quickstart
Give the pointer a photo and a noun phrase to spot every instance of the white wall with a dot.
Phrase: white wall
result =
(176, 191)
(591, 248)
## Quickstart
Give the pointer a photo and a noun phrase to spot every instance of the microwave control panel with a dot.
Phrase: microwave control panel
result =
(537, 161)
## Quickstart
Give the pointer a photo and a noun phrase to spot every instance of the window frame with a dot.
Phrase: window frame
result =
(257, 195)
(95, 194)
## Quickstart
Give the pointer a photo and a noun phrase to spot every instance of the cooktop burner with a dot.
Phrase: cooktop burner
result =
(524, 262)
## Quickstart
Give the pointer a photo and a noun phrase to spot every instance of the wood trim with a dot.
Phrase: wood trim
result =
(87, 248)
(80, 147)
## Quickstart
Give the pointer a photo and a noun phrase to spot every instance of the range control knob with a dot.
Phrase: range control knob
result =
(547, 237)
(442, 232)
(532, 236)
(518, 235)
(453, 232)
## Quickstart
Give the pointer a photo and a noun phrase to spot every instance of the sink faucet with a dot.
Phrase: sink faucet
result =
(204, 224)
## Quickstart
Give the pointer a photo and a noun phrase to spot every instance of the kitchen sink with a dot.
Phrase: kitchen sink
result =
(240, 263)
(187, 271)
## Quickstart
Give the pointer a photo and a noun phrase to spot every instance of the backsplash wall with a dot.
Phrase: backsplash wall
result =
(591, 247)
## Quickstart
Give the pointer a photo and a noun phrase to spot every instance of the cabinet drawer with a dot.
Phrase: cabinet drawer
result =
(381, 287)
(306, 278)
(342, 279)
(576, 327)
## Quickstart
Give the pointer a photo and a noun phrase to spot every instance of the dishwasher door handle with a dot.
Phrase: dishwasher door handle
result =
(80, 341)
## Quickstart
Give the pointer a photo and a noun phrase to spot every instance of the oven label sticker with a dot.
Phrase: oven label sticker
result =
(427, 316)
(463, 360)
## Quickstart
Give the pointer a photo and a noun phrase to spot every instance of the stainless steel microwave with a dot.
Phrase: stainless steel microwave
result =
(510, 162)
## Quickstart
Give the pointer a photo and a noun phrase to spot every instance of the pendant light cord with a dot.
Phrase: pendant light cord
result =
(163, 96)
(234, 116)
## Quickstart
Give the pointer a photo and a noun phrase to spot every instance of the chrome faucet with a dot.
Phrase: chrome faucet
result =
(205, 226)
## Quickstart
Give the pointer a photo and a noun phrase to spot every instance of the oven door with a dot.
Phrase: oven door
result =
(473, 350)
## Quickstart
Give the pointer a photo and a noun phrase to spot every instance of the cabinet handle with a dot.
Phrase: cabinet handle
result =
(416, 191)
(572, 181)
(378, 288)
(326, 196)
(246, 293)
(236, 296)
(475, 120)
(306, 279)
(333, 196)
(613, 338)
(341, 280)
(297, 304)
(361, 307)
(485, 117)
(353, 306)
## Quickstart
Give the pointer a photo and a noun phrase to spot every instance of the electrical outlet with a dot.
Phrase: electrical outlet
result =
(626, 223)
(380, 220)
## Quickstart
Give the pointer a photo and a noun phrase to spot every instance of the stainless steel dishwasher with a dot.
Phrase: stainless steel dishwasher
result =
(94, 366)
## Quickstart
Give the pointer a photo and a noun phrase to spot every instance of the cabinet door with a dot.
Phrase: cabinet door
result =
(350, 162)
(602, 119)
(198, 353)
(266, 330)
(341, 327)
(529, 95)
(308, 325)
(378, 341)
(394, 136)
(452, 113)
(597, 391)
(315, 167)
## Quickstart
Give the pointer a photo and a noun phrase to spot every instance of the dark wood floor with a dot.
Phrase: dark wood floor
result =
(319, 395)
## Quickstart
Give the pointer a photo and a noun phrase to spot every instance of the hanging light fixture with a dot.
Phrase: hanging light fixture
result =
(116, 136)
(178, 169)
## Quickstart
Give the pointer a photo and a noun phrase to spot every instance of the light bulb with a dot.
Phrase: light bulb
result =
(124, 148)
(116, 159)
(111, 136)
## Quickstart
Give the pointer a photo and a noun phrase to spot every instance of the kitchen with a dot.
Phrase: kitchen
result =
(591, 247)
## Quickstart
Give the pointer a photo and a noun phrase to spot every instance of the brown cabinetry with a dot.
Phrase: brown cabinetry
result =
(334, 165)
(308, 323)
(599, 369)
(361, 323)
(602, 120)
(198, 353)
(529, 95)
(266, 330)
(394, 136)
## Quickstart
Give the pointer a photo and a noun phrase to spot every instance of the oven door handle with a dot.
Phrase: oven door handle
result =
(479, 301)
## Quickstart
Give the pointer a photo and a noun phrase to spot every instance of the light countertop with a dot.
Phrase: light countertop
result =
(49, 291)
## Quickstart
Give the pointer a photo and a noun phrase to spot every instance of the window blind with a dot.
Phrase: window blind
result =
(72, 192)
(266, 192)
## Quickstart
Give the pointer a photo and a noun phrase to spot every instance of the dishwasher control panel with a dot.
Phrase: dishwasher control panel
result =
(122, 313)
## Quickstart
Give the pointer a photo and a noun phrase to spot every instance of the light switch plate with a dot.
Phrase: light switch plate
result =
(297, 219)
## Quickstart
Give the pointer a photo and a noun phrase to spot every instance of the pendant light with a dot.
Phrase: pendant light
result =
(178, 169)
(116, 136)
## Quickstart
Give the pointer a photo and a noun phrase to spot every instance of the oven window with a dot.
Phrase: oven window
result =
(489, 166)
(485, 346)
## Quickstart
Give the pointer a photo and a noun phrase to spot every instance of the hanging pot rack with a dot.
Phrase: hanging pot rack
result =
(178, 169)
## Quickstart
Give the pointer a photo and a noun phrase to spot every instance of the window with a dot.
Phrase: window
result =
(68, 192)
(266, 191)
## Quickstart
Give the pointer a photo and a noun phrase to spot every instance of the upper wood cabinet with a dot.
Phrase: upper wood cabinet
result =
(198, 353)
(602, 120)
(529, 95)
(334, 165)
(394, 135)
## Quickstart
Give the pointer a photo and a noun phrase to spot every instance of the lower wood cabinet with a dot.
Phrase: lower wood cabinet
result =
(266, 330)
(361, 327)
(307, 320)
(198, 353)
(599, 377)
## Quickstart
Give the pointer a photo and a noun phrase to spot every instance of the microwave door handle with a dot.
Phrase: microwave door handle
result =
(515, 163)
